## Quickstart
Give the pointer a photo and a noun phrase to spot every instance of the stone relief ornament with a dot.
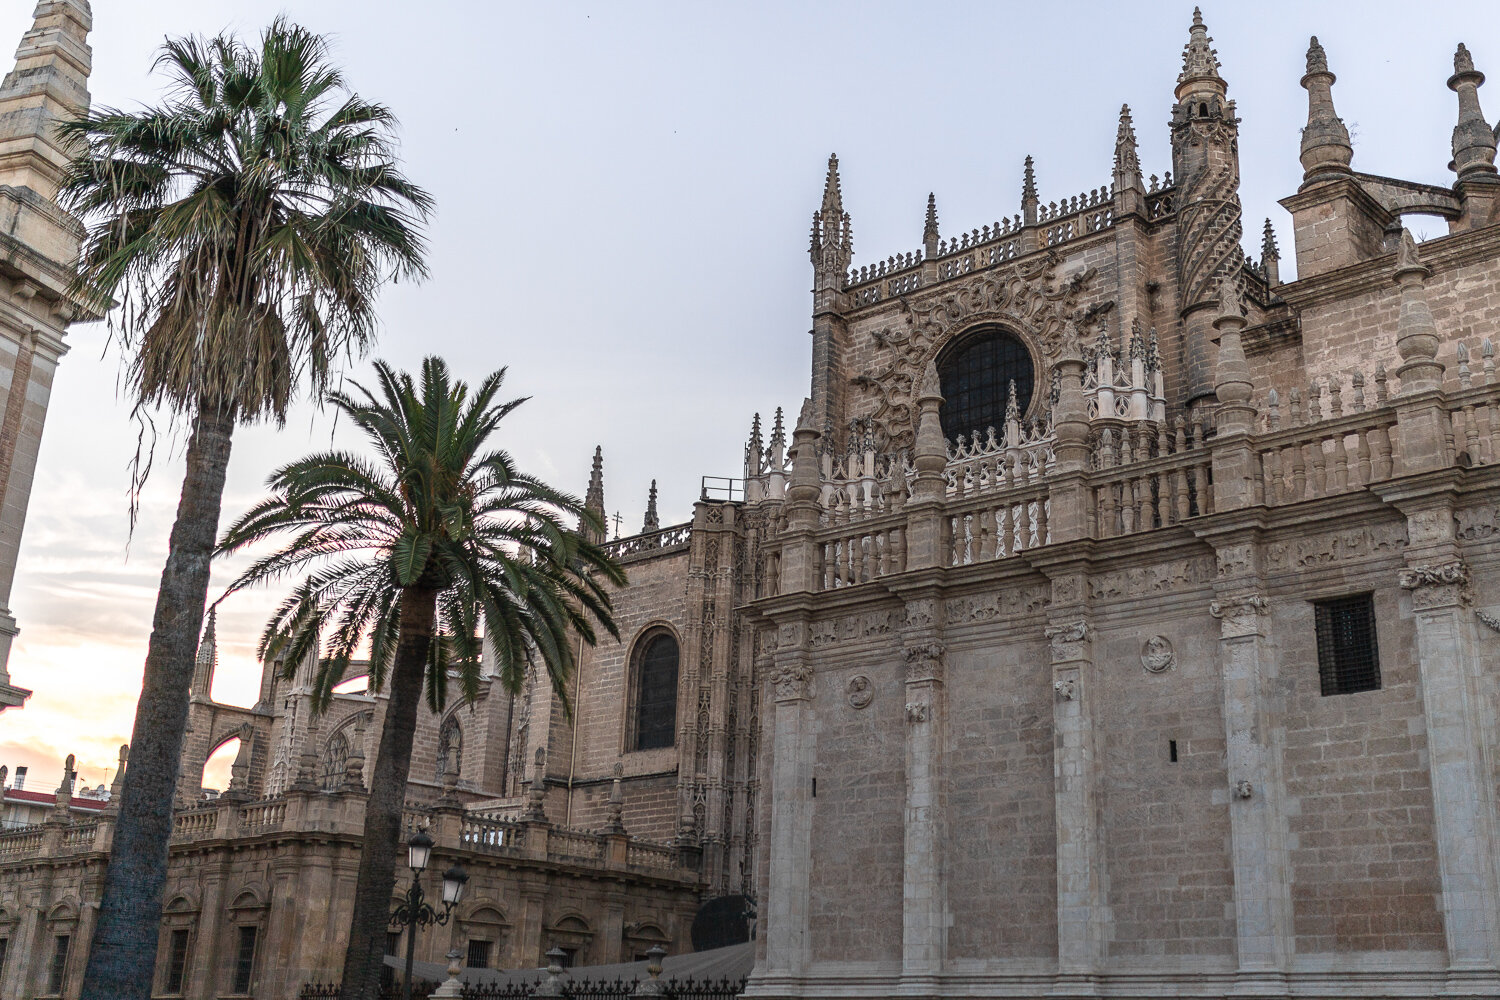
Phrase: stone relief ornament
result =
(792, 681)
(1066, 637)
(920, 613)
(860, 691)
(1067, 690)
(1489, 621)
(916, 712)
(1027, 297)
(1238, 616)
(1243, 789)
(924, 661)
(1157, 654)
(1438, 585)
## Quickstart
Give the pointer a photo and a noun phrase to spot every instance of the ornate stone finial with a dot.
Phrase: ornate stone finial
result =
(1326, 151)
(1317, 59)
(652, 522)
(1407, 256)
(931, 386)
(4, 776)
(206, 662)
(930, 454)
(1230, 303)
(616, 802)
(1199, 59)
(930, 227)
(117, 784)
(48, 84)
(1474, 141)
(1012, 406)
(778, 429)
(1029, 201)
(1268, 248)
(594, 500)
(805, 419)
(1232, 385)
(1127, 162)
(537, 793)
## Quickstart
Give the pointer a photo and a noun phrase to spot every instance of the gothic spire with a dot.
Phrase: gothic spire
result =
(49, 83)
(594, 500)
(652, 522)
(1029, 201)
(1473, 141)
(1270, 256)
(1200, 62)
(930, 227)
(207, 659)
(1326, 151)
(1126, 160)
(832, 235)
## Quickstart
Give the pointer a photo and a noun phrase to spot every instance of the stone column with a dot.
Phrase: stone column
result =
(1462, 798)
(527, 936)
(1082, 906)
(794, 750)
(925, 896)
(1258, 836)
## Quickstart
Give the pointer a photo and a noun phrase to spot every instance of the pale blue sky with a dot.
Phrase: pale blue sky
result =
(624, 193)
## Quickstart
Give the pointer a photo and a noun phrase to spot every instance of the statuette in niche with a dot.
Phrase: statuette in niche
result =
(1156, 654)
(861, 691)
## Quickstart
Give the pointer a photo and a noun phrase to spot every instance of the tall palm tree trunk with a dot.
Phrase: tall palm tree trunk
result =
(382, 838)
(123, 955)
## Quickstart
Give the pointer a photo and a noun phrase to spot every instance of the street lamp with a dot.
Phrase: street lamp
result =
(414, 911)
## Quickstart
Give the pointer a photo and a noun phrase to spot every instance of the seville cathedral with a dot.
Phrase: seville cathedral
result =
(1116, 619)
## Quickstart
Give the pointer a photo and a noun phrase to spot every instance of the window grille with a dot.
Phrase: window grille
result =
(1348, 657)
(656, 694)
(335, 759)
(244, 960)
(59, 963)
(387, 973)
(479, 954)
(976, 376)
(177, 961)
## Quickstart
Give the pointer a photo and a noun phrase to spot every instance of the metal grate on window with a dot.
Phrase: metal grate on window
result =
(1348, 657)
(177, 961)
(479, 954)
(244, 960)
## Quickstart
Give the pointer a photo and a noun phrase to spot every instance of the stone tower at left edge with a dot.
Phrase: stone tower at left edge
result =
(38, 245)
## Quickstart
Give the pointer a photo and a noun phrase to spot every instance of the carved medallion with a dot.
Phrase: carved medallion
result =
(1157, 655)
(861, 692)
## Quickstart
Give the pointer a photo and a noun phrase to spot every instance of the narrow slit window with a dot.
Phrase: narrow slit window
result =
(1348, 656)
(59, 968)
(244, 960)
(177, 950)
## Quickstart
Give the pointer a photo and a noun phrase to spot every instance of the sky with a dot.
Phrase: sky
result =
(624, 192)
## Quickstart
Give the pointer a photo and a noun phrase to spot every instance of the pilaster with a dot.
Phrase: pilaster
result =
(924, 887)
(794, 750)
(1259, 837)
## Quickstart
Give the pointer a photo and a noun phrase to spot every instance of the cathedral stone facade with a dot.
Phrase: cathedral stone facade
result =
(1116, 618)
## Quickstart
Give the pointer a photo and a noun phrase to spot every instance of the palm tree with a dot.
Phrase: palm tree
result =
(244, 228)
(418, 551)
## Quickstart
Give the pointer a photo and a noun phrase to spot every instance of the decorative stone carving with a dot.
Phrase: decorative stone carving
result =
(1243, 789)
(1157, 654)
(987, 607)
(1238, 616)
(1427, 526)
(860, 691)
(1330, 548)
(792, 681)
(1067, 690)
(921, 613)
(1067, 637)
(790, 634)
(1476, 523)
(1439, 585)
(1165, 578)
(924, 661)
(916, 711)
(1235, 560)
(1488, 620)
(1025, 296)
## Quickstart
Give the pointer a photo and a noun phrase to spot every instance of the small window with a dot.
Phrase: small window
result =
(1348, 658)
(569, 957)
(59, 964)
(656, 693)
(4, 947)
(479, 954)
(387, 971)
(177, 951)
(244, 961)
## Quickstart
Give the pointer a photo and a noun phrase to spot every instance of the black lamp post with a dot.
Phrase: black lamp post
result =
(414, 910)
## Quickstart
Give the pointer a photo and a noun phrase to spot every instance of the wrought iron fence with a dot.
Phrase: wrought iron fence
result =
(574, 989)
(420, 988)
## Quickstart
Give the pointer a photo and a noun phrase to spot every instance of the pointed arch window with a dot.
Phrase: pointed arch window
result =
(335, 758)
(976, 372)
(654, 694)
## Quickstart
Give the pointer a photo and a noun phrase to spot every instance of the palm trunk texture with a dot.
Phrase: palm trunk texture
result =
(123, 955)
(382, 837)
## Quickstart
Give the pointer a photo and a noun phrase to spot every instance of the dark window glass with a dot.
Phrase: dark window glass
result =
(976, 376)
(1348, 658)
(177, 960)
(244, 960)
(656, 694)
(569, 958)
(388, 974)
(4, 947)
(479, 954)
(59, 963)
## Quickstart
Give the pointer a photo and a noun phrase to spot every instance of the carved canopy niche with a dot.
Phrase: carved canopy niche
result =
(1025, 298)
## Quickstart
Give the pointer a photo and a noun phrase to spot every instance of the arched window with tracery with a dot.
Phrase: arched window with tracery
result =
(976, 372)
(450, 745)
(335, 759)
(654, 695)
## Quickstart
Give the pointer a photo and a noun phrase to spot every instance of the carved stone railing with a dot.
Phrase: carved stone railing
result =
(575, 846)
(654, 857)
(80, 836)
(263, 817)
(1161, 202)
(198, 823)
(489, 835)
(21, 841)
(861, 551)
(996, 524)
(1151, 492)
(652, 542)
